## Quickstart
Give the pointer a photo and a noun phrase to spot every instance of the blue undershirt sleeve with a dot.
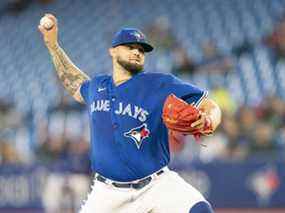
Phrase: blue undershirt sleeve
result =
(84, 91)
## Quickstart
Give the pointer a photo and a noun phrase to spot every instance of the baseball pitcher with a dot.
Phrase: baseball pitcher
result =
(130, 114)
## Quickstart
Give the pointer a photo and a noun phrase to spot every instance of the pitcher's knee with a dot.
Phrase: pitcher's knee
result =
(201, 207)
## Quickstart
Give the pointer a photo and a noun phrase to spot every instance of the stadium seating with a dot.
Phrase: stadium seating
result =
(27, 75)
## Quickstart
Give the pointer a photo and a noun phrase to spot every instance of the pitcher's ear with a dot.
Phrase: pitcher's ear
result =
(111, 51)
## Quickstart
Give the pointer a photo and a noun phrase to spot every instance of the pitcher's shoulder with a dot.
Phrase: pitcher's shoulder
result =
(100, 78)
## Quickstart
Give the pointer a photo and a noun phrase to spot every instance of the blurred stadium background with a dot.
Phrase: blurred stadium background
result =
(233, 48)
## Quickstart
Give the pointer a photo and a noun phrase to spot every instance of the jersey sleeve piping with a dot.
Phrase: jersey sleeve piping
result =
(205, 95)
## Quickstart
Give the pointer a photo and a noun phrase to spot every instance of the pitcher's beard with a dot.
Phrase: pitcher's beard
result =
(133, 68)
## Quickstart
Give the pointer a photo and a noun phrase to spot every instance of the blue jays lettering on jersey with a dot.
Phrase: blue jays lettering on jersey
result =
(128, 138)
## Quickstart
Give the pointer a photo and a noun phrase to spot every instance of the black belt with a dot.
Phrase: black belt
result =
(136, 185)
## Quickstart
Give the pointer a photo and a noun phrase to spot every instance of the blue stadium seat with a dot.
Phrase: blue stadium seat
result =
(86, 39)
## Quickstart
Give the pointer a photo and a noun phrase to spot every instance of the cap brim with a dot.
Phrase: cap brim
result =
(147, 47)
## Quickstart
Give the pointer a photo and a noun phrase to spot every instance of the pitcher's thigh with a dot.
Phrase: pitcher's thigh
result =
(102, 199)
(173, 195)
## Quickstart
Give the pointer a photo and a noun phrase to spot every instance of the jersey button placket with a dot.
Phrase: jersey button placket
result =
(115, 124)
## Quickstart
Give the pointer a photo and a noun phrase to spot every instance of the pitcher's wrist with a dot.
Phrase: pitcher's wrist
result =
(52, 47)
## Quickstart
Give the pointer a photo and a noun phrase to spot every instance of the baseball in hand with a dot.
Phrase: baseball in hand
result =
(46, 22)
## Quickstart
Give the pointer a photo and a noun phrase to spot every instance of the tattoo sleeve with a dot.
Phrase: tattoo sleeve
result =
(70, 75)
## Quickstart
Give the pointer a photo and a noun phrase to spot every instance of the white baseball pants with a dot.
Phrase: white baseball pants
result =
(166, 193)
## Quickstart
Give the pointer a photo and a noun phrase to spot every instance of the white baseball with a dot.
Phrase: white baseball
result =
(46, 22)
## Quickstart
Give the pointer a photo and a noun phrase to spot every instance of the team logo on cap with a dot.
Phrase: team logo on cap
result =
(138, 134)
(137, 35)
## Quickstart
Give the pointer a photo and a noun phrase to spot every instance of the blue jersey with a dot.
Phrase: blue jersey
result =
(128, 137)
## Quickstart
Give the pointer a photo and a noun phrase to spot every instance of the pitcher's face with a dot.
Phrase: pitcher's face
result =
(130, 56)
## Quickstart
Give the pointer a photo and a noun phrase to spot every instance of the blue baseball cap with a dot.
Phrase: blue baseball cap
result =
(131, 36)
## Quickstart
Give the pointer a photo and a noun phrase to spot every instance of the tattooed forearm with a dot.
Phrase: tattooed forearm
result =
(70, 75)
